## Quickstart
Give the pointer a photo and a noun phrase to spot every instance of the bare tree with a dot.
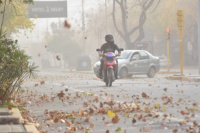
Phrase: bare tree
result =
(125, 33)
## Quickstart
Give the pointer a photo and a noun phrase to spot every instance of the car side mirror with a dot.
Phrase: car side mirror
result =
(98, 50)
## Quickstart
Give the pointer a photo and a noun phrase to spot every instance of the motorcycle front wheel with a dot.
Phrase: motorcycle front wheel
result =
(110, 77)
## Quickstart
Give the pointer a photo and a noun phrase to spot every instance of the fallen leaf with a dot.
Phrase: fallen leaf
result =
(61, 95)
(62, 121)
(73, 129)
(147, 129)
(46, 111)
(36, 85)
(9, 107)
(163, 124)
(108, 124)
(42, 82)
(139, 116)
(86, 120)
(68, 123)
(156, 105)
(56, 120)
(144, 95)
(195, 124)
(91, 125)
(118, 129)
(107, 131)
(134, 121)
(175, 130)
(110, 114)
(115, 119)
(195, 104)
(58, 57)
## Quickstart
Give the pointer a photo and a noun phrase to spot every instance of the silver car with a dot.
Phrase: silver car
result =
(134, 62)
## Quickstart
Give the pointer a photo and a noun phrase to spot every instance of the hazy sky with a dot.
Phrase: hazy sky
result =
(74, 16)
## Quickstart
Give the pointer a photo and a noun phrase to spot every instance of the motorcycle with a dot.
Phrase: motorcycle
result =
(110, 67)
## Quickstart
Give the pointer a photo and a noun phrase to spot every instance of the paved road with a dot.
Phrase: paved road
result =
(77, 99)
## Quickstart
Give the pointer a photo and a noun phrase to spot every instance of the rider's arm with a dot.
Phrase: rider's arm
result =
(117, 48)
(102, 50)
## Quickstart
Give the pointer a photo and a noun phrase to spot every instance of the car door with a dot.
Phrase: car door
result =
(144, 62)
(134, 63)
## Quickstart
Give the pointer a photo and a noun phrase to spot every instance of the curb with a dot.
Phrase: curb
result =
(166, 72)
(16, 113)
(14, 116)
(184, 78)
(31, 128)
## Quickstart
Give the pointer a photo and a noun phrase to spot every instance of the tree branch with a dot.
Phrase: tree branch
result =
(3, 17)
(114, 21)
(15, 10)
(124, 21)
(155, 7)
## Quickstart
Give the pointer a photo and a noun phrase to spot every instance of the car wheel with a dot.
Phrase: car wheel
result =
(151, 73)
(123, 73)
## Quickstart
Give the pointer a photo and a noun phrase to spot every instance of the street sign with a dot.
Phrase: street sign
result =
(48, 9)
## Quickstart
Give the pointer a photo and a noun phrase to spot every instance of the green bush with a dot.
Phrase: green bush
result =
(14, 68)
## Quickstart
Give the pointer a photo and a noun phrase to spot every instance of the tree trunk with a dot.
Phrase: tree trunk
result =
(124, 33)
(4, 10)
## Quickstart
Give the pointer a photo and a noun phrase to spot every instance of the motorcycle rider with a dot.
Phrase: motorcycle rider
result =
(109, 46)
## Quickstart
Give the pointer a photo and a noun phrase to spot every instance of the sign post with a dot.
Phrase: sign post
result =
(168, 37)
(199, 36)
(180, 25)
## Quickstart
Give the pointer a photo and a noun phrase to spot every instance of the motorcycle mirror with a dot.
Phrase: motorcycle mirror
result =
(98, 50)
(121, 49)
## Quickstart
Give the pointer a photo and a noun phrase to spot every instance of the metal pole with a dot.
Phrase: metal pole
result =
(181, 50)
(106, 16)
(67, 8)
(168, 54)
(199, 36)
(83, 24)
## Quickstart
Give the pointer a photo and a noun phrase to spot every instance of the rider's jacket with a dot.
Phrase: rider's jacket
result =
(109, 47)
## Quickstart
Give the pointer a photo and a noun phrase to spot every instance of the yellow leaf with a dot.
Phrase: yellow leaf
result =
(156, 105)
(111, 114)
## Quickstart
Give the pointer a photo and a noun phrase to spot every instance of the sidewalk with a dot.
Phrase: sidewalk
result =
(11, 121)
(184, 78)
(189, 74)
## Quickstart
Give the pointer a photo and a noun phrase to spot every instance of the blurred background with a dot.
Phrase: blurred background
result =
(134, 25)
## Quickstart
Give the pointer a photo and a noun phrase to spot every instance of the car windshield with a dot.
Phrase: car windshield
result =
(124, 55)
